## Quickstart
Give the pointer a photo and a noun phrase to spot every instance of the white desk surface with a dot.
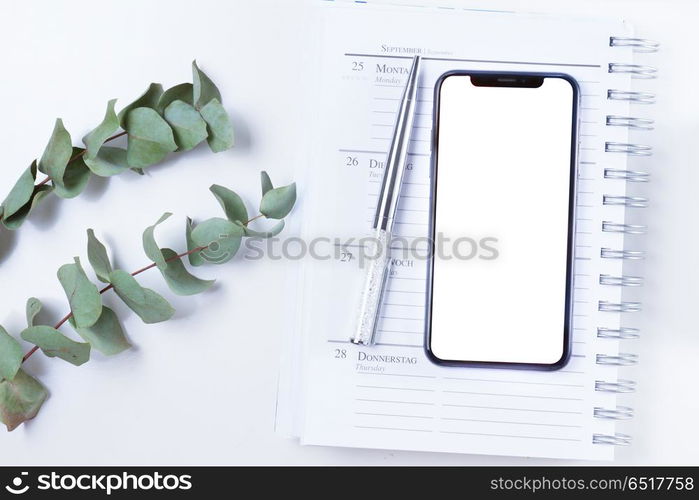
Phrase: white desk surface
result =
(201, 391)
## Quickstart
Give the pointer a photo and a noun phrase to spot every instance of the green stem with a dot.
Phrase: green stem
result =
(109, 287)
(254, 218)
(78, 155)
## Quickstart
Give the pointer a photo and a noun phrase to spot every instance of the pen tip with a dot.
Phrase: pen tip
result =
(417, 61)
(414, 71)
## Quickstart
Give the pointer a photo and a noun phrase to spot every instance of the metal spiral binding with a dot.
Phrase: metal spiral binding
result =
(635, 70)
(620, 307)
(626, 175)
(628, 148)
(631, 96)
(622, 333)
(614, 227)
(619, 413)
(621, 386)
(621, 359)
(617, 439)
(610, 253)
(626, 201)
(637, 44)
(630, 122)
(607, 279)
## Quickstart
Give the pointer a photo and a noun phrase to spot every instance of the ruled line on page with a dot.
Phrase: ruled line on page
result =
(411, 375)
(354, 245)
(412, 346)
(510, 422)
(391, 138)
(367, 400)
(403, 305)
(386, 344)
(365, 151)
(546, 438)
(404, 223)
(395, 388)
(534, 410)
(458, 59)
(380, 330)
(407, 183)
(391, 428)
(402, 318)
(509, 381)
(500, 394)
(392, 415)
(379, 98)
(391, 125)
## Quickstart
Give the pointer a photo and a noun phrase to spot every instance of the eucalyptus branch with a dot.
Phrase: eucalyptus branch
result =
(254, 218)
(111, 287)
(212, 241)
(157, 123)
(47, 179)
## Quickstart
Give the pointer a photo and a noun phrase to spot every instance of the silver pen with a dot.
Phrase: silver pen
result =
(379, 268)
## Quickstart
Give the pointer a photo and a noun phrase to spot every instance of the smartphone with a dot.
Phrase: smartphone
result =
(502, 220)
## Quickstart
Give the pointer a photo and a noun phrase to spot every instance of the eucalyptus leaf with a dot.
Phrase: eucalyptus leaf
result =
(33, 308)
(277, 203)
(231, 203)
(150, 307)
(276, 229)
(17, 219)
(150, 246)
(75, 177)
(218, 126)
(57, 153)
(98, 257)
(266, 182)
(40, 192)
(149, 99)
(56, 345)
(195, 258)
(95, 139)
(10, 355)
(221, 237)
(182, 92)
(203, 89)
(83, 296)
(106, 335)
(188, 126)
(109, 161)
(20, 399)
(150, 137)
(179, 279)
(21, 193)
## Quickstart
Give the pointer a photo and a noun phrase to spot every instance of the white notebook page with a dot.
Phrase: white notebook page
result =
(391, 396)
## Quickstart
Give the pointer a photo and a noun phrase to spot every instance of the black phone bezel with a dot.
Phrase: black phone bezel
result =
(521, 79)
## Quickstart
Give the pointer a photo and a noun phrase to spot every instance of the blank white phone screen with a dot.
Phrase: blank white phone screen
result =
(502, 210)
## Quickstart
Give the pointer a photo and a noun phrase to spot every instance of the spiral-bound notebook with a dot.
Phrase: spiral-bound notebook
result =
(391, 396)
